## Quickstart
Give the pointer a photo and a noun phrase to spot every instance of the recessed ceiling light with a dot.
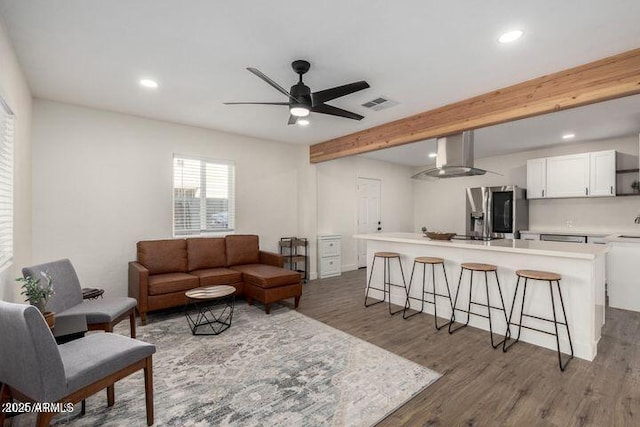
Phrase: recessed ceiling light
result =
(432, 155)
(303, 122)
(510, 36)
(148, 83)
(568, 135)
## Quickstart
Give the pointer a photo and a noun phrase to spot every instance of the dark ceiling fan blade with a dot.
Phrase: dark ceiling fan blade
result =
(335, 111)
(270, 82)
(292, 119)
(338, 91)
(255, 103)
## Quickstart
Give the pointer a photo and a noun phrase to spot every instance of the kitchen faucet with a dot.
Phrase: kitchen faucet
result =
(637, 220)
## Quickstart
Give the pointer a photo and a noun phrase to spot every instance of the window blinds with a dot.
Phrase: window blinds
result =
(203, 195)
(6, 184)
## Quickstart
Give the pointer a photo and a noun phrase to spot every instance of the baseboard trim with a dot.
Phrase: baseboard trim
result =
(349, 267)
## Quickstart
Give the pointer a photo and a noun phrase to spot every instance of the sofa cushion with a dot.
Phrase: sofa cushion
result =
(172, 282)
(217, 276)
(267, 276)
(163, 256)
(242, 249)
(208, 252)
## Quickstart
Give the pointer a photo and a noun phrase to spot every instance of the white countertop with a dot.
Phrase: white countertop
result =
(537, 247)
(610, 236)
(571, 232)
(617, 238)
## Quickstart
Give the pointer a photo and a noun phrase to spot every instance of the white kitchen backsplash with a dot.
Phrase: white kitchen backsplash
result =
(605, 213)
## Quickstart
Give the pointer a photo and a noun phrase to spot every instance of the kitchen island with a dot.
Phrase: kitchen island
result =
(582, 267)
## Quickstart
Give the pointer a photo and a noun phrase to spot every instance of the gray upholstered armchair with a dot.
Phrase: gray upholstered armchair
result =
(102, 314)
(34, 369)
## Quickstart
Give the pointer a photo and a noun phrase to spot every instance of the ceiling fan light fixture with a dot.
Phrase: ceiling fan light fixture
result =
(510, 36)
(148, 83)
(299, 111)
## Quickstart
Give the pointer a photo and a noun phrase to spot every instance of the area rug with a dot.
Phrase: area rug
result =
(282, 369)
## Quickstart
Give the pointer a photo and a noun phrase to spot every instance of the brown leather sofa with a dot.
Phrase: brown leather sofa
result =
(165, 269)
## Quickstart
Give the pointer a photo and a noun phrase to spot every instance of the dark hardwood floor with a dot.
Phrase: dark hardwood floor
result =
(481, 386)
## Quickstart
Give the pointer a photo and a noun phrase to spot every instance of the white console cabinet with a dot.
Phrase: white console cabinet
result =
(329, 256)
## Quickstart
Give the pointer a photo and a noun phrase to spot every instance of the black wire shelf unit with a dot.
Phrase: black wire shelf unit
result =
(295, 251)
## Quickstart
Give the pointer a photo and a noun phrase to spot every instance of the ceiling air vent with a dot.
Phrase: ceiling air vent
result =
(380, 103)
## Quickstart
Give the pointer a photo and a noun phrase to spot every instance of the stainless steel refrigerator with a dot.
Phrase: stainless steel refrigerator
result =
(497, 212)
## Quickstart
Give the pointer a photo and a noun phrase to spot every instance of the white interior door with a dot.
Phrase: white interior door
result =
(369, 221)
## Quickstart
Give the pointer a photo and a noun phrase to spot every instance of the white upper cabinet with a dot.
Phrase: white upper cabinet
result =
(576, 175)
(536, 178)
(602, 176)
(568, 176)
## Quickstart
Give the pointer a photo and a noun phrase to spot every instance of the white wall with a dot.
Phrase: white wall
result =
(337, 204)
(14, 89)
(103, 181)
(440, 205)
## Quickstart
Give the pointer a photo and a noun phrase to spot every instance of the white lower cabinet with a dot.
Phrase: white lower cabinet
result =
(329, 256)
(623, 271)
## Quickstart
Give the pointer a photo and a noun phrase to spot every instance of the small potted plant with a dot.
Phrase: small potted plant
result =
(38, 294)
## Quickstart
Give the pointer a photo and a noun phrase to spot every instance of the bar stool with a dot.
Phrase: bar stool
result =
(386, 279)
(482, 268)
(433, 262)
(544, 276)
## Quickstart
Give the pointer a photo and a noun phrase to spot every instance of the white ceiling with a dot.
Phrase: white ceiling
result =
(423, 54)
(611, 119)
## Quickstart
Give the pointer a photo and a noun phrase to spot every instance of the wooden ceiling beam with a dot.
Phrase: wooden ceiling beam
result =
(609, 78)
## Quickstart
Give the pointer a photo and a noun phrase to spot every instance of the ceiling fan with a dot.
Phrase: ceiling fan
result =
(302, 101)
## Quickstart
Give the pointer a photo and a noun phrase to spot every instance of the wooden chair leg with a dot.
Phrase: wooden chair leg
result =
(4, 397)
(148, 389)
(297, 302)
(267, 308)
(111, 395)
(132, 321)
(143, 318)
(44, 419)
(249, 301)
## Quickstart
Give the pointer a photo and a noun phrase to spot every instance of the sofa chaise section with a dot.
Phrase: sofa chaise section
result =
(264, 278)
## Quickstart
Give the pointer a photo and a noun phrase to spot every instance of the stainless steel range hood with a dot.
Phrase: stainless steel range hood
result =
(454, 158)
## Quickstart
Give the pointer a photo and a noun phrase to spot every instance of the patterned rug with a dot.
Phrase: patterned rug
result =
(283, 369)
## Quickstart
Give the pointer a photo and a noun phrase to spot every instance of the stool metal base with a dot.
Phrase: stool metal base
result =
(555, 322)
(386, 285)
(407, 305)
(488, 306)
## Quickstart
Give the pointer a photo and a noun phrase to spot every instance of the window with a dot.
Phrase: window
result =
(203, 195)
(6, 184)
